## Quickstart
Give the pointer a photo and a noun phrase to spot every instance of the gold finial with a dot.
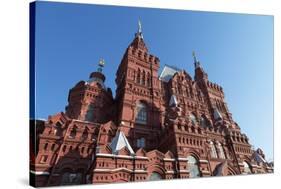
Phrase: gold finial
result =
(101, 65)
(101, 62)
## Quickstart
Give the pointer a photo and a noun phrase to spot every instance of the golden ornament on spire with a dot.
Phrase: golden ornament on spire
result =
(101, 62)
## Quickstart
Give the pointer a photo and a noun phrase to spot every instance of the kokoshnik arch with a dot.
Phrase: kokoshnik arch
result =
(156, 127)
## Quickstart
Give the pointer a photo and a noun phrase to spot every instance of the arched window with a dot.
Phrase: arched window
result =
(213, 150)
(155, 176)
(193, 167)
(221, 151)
(192, 118)
(141, 116)
(247, 168)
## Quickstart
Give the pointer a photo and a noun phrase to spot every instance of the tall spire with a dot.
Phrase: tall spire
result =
(139, 32)
(196, 62)
(139, 29)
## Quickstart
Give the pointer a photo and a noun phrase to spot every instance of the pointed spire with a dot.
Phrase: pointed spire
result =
(196, 62)
(139, 29)
(139, 32)
(194, 56)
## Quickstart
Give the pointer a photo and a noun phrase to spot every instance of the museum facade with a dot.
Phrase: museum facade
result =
(156, 127)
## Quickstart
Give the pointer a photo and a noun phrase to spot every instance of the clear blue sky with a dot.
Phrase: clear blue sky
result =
(236, 50)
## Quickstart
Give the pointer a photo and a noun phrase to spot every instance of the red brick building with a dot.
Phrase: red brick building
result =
(156, 127)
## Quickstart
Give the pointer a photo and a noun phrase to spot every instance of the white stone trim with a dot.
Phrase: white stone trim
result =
(120, 156)
(119, 169)
(170, 172)
(140, 171)
(203, 161)
(205, 171)
(169, 159)
(182, 159)
(184, 171)
(40, 172)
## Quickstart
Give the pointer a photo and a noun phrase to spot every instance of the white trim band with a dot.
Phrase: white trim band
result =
(39, 172)
(120, 169)
(120, 156)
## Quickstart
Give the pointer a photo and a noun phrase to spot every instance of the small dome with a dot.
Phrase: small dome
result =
(97, 75)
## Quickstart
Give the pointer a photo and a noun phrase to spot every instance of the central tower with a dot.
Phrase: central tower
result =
(138, 93)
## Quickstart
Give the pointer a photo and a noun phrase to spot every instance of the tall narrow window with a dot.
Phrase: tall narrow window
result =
(141, 142)
(193, 167)
(90, 113)
(143, 78)
(141, 116)
(148, 80)
(221, 151)
(213, 150)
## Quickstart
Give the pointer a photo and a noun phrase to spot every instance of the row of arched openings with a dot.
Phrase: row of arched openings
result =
(143, 78)
(192, 166)
(217, 151)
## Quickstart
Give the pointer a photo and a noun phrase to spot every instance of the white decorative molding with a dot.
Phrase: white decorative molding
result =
(39, 172)
(120, 169)
(203, 161)
(169, 159)
(120, 156)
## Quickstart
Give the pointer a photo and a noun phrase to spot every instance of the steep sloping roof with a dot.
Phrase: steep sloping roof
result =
(173, 101)
(120, 141)
(258, 158)
(168, 72)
